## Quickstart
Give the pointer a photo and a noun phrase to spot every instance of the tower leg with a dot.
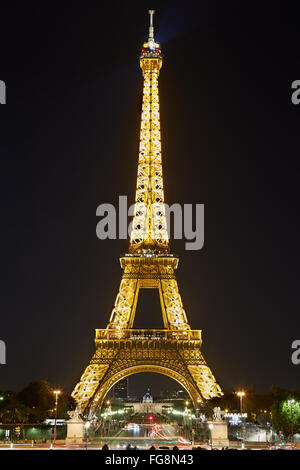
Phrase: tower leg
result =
(125, 305)
(173, 306)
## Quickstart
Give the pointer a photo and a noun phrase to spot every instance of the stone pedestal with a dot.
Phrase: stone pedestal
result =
(75, 431)
(219, 433)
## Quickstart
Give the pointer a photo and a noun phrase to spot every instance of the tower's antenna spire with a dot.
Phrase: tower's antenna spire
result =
(151, 28)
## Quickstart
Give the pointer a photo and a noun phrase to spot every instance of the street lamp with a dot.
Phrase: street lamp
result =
(56, 393)
(109, 417)
(87, 427)
(291, 405)
(211, 426)
(241, 394)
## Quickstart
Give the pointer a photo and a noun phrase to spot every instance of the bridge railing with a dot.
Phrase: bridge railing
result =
(136, 334)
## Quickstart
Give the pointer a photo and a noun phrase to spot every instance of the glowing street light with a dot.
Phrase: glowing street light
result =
(56, 393)
(211, 427)
(241, 394)
(87, 427)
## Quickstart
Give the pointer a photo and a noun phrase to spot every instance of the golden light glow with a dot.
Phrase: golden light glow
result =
(149, 226)
(241, 393)
(121, 351)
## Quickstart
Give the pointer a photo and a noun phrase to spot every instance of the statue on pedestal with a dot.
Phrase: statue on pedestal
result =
(75, 428)
(217, 414)
(74, 415)
(218, 429)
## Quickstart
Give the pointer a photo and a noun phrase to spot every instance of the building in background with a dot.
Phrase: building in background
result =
(174, 394)
(120, 390)
(147, 405)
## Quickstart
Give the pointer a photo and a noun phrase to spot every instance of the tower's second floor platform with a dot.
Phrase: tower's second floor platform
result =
(157, 335)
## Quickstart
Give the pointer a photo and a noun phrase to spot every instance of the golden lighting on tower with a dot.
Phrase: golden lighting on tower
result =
(175, 350)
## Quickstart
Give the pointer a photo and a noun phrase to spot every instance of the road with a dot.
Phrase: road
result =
(145, 435)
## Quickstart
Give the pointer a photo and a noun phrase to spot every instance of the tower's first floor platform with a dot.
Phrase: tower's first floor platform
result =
(120, 353)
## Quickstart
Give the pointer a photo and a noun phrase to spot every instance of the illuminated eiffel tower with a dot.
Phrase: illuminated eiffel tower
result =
(174, 351)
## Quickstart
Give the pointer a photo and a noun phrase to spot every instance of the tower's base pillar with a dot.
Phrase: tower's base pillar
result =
(219, 433)
(75, 431)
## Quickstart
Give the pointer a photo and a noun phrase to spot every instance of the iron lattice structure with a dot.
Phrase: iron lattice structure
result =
(121, 350)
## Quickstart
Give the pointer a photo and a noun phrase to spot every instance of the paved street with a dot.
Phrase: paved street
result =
(146, 435)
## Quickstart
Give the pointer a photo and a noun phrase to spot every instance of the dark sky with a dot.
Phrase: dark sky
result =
(69, 142)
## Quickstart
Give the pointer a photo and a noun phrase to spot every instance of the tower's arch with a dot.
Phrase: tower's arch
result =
(99, 397)
(120, 353)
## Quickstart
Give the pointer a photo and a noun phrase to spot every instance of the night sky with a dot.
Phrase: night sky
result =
(69, 142)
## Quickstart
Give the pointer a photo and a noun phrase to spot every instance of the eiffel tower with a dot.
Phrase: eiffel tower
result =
(174, 351)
